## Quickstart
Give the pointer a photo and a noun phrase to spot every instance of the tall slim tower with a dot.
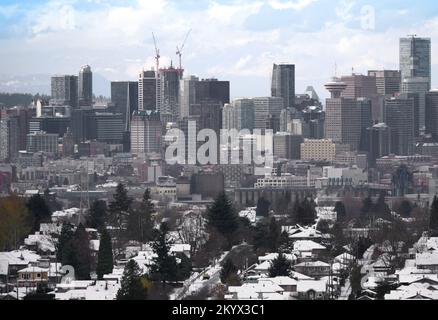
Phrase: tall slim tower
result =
(147, 91)
(85, 88)
(65, 90)
(283, 83)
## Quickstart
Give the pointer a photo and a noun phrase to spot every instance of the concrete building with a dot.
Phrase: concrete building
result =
(379, 142)
(146, 133)
(318, 150)
(168, 102)
(42, 141)
(64, 90)
(387, 81)
(287, 145)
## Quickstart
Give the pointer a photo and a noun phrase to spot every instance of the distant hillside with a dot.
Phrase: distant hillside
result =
(15, 99)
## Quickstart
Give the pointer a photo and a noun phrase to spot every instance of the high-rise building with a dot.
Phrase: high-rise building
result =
(85, 86)
(318, 150)
(187, 95)
(265, 107)
(146, 132)
(378, 142)
(64, 90)
(287, 145)
(283, 83)
(359, 86)
(169, 94)
(313, 122)
(240, 114)
(213, 89)
(346, 118)
(208, 113)
(432, 114)
(399, 115)
(42, 142)
(124, 96)
(418, 86)
(415, 58)
(387, 81)
(105, 127)
(147, 91)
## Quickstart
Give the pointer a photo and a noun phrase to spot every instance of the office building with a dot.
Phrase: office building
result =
(64, 90)
(264, 107)
(42, 142)
(379, 142)
(399, 115)
(187, 93)
(432, 114)
(287, 145)
(146, 132)
(318, 150)
(85, 86)
(147, 91)
(387, 81)
(283, 83)
(169, 94)
(124, 96)
(415, 58)
(418, 86)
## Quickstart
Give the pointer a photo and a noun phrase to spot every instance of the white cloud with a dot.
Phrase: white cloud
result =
(295, 5)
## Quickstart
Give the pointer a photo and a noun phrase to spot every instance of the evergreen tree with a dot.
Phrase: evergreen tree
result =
(120, 206)
(273, 235)
(280, 266)
(340, 210)
(433, 222)
(82, 253)
(367, 205)
(228, 270)
(39, 211)
(262, 209)
(184, 267)
(97, 215)
(305, 212)
(222, 217)
(64, 252)
(105, 261)
(405, 208)
(139, 222)
(132, 287)
(164, 267)
(381, 209)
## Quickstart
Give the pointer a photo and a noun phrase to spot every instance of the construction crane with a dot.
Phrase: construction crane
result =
(179, 51)
(157, 54)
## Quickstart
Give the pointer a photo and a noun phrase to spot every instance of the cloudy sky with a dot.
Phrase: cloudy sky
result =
(236, 40)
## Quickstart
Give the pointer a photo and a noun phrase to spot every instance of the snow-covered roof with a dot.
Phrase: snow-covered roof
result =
(274, 255)
(307, 245)
(281, 281)
(312, 264)
(19, 257)
(43, 242)
(429, 258)
(306, 233)
(344, 258)
(304, 286)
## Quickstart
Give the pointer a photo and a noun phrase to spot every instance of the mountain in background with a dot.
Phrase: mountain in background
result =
(40, 83)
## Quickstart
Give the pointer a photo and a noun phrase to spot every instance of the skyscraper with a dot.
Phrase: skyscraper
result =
(387, 81)
(283, 83)
(147, 91)
(399, 115)
(432, 114)
(378, 142)
(265, 107)
(169, 94)
(146, 132)
(359, 86)
(213, 89)
(187, 95)
(65, 90)
(415, 58)
(85, 86)
(124, 94)
(418, 86)
(346, 118)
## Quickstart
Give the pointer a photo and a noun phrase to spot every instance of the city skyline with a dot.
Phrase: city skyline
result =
(228, 39)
